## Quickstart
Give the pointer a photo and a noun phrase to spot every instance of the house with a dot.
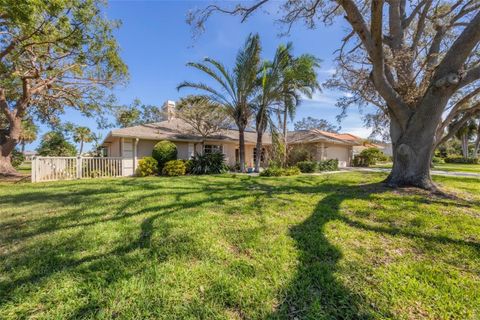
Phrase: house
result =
(134, 143)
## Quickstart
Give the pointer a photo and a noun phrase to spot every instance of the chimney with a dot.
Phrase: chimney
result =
(168, 109)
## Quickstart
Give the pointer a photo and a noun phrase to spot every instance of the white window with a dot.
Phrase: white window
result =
(213, 148)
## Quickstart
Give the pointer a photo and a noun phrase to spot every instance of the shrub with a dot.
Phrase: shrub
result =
(174, 168)
(307, 166)
(298, 154)
(278, 172)
(328, 165)
(460, 159)
(147, 166)
(369, 157)
(163, 152)
(17, 158)
(437, 160)
(209, 163)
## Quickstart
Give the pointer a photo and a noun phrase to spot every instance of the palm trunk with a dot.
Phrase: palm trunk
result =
(259, 150)
(285, 137)
(241, 151)
(81, 148)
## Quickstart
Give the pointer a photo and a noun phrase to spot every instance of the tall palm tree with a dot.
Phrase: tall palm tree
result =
(236, 89)
(269, 96)
(82, 135)
(28, 134)
(299, 79)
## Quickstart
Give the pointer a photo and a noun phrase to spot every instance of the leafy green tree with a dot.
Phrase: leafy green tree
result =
(236, 89)
(309, 123)
(53, 54)
(136, 114)
(54, 144)
(204, 117)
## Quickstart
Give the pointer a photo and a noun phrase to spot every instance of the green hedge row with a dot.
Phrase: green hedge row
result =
(312, 166)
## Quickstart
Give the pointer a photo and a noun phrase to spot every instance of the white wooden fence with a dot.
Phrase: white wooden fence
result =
(69, 168)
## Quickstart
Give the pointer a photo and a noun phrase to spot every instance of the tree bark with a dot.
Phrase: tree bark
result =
(81, 148)
(259, 150)
(413, 143)
(7, 145)
(241, 151)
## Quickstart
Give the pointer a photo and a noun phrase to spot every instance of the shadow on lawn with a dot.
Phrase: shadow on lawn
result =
(314, 293)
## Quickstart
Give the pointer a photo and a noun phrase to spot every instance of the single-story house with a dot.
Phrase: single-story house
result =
(134, 143)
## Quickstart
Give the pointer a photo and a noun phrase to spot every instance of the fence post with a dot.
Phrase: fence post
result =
(34, 169)
(79, 167)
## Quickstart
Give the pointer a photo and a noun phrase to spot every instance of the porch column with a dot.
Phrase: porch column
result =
(135, 154)
(322, 151)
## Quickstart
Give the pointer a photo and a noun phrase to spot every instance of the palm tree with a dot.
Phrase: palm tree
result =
(464, 134)
(299, 79)
(270, 95)
(28, 134)
(236, 89)
(82, 135)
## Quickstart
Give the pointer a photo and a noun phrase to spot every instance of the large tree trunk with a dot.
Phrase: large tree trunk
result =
(259, 150)
(241, 151)
(6, 167)
(413, 143)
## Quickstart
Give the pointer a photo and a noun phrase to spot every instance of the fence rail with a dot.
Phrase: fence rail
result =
(69, 168)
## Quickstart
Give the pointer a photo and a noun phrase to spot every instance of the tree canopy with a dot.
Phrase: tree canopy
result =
(309, 123)
(53, 54)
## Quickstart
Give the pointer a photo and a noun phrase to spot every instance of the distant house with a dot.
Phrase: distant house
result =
(29, 155)
(137, 142)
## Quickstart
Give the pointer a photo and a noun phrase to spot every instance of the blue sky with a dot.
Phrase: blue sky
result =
(156, 43)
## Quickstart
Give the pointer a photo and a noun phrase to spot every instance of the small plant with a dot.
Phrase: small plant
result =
(307, 166)
(291, 171)
(147, 166)
(163, 152)
(328, 165)
(174, 168)
(209, 163)
(460, 159)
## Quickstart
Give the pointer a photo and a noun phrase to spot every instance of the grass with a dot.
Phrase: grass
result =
(336, 246)
(25, 167)
(451, 167)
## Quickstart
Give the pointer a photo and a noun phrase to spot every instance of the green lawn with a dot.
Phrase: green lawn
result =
(452, 167)
(336, 246)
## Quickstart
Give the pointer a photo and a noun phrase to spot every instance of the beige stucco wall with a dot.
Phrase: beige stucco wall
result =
(114, 148)
(145, 148)
(331, 151)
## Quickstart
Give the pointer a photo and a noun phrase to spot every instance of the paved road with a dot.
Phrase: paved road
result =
(434, 172)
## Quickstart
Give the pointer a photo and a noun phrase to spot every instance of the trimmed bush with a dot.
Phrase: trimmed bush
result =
(460, 159)
(328, 165)
(298, 154)
(147, 166)
(437, 160)
(163, 152)
(278, 172)
(209, 163)
(307, 166)
(174, 168)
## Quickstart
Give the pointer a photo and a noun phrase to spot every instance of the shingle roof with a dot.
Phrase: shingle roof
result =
(177, 130)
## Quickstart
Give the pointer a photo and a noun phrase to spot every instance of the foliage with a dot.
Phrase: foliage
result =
(310, 123)
(437, 160)
(208, 163)
(28, 133)
(17, 158)
(163, 152)
(204, 117)
(460, 159)
(243, 241)
(279, 172)
(54, 55)
(80, 134)
(54, 144)
(147, 166)
(307, 166)
(369, 157)
(235, 89)
(174, 168)
(136, 114)
(328, 165)
(298, 154)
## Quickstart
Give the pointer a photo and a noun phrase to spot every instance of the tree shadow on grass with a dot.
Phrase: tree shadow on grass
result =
(316, 292)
